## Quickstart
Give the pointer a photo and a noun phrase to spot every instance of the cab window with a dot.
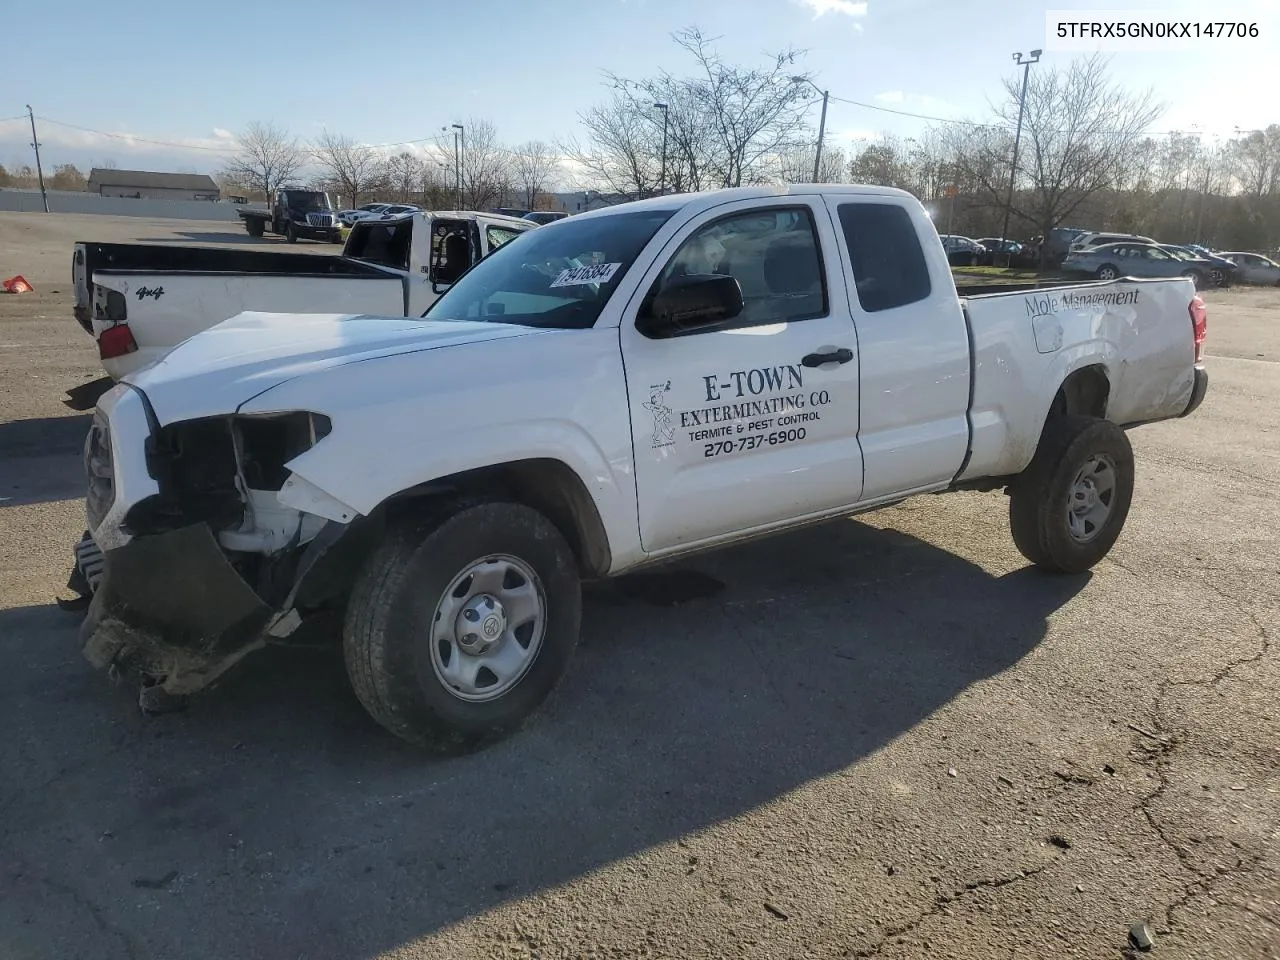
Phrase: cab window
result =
(774, 255)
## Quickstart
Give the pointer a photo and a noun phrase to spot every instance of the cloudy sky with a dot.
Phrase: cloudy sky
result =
(191, 75)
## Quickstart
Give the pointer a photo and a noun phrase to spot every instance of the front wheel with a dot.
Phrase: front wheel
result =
(1066, 510)
(255, 227)
(462, 623)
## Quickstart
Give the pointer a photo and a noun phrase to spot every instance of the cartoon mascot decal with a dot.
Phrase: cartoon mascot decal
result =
(664, 430)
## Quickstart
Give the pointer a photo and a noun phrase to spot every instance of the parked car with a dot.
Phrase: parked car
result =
(962, 251)
(348, 217)
(1113, 260)
(1059, 242)
(139, 300)
(545, 216)
(1019, 254)
(1254, 268)
(394, 211)
(582, 404)
(1086, 241)
(1221, 270)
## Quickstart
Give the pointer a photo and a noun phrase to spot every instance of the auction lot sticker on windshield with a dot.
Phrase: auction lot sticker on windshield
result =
(600, 273)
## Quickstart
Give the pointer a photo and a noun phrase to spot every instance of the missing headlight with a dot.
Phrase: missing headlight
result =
(267, 443)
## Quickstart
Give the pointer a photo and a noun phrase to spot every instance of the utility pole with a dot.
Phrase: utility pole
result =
(462, 157)
(663, 108)
(35, 143)
(1017, 137)
(822, 123)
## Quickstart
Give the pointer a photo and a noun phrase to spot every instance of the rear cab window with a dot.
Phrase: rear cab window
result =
(495, 235)
(888, 264)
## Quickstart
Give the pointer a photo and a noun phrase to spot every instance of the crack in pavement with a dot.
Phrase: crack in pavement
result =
(940, 903)
(57, 886)
(1159, 758)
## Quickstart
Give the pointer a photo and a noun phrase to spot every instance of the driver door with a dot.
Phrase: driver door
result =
(754, 422)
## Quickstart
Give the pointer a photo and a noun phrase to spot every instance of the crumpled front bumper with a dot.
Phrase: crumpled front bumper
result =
(173, 605)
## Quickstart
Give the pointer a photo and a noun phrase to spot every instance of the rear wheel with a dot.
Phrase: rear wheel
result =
(1107, 272)
(1066, 510)
(1195, 276)
(462, 623)
(255, 227)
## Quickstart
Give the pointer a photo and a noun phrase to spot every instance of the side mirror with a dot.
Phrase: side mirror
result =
(688, 304)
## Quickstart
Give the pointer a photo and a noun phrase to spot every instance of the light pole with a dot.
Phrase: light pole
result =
(35, 144)
(1017, 137)
(822, 123)
(462, 156)
(663, 108)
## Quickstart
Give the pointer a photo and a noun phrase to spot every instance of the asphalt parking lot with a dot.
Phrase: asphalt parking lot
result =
(884, 737)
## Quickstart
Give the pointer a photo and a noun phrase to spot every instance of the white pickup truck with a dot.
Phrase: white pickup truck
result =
(610, 391)
(138, 301)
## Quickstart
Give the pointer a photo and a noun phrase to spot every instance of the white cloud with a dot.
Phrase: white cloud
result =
(849, 8)
(890, 96)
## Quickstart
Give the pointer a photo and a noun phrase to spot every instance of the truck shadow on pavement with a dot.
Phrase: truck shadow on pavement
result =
(40, 459)
(274, 819)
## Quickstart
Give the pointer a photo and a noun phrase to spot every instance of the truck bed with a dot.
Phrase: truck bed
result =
(1137, 334)
(153, 259)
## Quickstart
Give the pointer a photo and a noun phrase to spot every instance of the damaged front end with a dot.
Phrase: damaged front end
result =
(203, 560)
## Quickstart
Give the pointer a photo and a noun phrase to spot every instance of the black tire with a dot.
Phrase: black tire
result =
(255, 227)
(1040, 497)
(1107, 272)
(386, 642)
(291, 232)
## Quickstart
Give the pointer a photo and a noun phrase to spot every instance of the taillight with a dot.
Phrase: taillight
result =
(1199, 324)
(116, 342)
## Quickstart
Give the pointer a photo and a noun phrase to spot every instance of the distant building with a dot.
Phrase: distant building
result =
(152, 186)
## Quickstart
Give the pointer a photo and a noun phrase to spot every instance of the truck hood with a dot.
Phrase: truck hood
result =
(220, 369)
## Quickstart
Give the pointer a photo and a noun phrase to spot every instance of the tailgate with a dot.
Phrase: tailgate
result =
(163, 309)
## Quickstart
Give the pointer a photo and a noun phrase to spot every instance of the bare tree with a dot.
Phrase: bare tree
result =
(1256, 162)
(756, 113)
(352, 167)
(726, 125)
(535, 163)
(620, 156)
(486, 165)
(267, 158)
(795, 165)
(404, 174)
(1079, 132)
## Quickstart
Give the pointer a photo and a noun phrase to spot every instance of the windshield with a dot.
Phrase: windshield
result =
(557, 276)
(307, 201)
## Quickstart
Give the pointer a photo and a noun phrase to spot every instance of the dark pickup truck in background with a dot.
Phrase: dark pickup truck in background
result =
(295, 214)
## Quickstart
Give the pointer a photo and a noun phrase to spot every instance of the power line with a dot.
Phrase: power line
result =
(131, 138)
(1001, 126)
(917, 116)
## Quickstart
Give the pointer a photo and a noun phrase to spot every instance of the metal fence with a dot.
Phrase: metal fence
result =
(67, 201)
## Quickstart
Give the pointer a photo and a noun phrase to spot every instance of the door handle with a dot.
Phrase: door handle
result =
(842, 355)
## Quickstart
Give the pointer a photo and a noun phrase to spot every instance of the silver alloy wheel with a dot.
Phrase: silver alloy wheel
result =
(1090, 498)
(488, 628)
(1107, 273)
